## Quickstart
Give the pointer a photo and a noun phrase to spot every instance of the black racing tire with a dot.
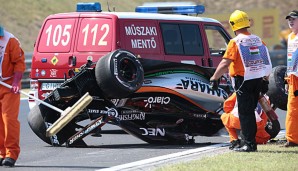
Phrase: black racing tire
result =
(37, 124)
(272, 128)
(276, 92)
(119, 74)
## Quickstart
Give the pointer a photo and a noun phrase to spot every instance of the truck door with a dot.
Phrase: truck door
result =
(93, 40)
(53, 47)
(183, 43)
(217, 40)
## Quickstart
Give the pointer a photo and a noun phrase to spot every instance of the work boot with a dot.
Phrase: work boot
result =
(247, 148)
(8, 162)
(235, 144)
(290, 144)
(1, 160)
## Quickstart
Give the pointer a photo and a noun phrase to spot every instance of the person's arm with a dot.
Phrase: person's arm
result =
(18, 59)
(222, 68)
(228, 57)
(17, 56)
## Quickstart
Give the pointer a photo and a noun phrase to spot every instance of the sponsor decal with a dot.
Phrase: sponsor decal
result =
(250, 41)
(199, 86)
(156, 100)
(172, 72)
(115, 101)
(110, 112)
(160, 73)
(202, 116)
(153, 131)
(147, 82)
(115, 66)
(131, 116)
(87, 131)
(93, 111)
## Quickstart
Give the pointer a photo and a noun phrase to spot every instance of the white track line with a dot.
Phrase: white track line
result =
(164, 158)
(169, 157)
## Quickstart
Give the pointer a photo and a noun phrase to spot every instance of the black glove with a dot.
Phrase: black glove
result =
(264, 86)
(296, 93)
(214, 84)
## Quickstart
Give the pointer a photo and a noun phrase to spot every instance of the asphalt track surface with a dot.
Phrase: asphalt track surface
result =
(109, 152)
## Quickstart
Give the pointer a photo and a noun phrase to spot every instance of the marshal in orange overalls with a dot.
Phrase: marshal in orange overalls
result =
(232, 122)
(13, 61)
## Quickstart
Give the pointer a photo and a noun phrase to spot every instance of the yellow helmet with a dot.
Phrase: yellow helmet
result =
(239, 20)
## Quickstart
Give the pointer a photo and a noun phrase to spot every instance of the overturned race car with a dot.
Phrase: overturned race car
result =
(156, 101)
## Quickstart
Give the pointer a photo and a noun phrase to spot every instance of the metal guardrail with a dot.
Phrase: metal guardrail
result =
(26, 77)
(278, 57)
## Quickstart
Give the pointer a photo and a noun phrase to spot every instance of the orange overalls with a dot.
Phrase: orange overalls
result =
(232, 122)
(13, 61)
(292, 110)
(292, 80)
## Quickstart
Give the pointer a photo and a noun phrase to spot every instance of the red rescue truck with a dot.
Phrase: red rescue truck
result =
(67, 40)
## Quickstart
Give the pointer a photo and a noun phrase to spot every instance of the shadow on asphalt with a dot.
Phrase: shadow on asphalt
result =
(145, 145)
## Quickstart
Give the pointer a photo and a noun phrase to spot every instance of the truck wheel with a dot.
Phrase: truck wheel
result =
(38, 126)
(273, 128)
(277, 94)
(119, 74)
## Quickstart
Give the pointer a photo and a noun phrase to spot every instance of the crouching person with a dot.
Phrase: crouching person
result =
(231, 122)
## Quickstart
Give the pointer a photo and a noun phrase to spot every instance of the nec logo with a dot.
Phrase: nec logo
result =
(153, 131)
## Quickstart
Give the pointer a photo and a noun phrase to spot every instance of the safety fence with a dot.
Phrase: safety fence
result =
(278, 57)
(26, 76)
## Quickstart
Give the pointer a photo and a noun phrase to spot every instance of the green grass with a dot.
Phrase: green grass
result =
(269, 157)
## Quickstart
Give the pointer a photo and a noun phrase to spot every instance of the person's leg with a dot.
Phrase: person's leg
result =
(262, 136)
(228, 121)
(292, 112)
(247, 117)
(2, 132)
(10, 111)
(247, 97)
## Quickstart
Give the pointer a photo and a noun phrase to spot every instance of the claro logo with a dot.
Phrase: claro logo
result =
(157, 100)
(153, 131)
